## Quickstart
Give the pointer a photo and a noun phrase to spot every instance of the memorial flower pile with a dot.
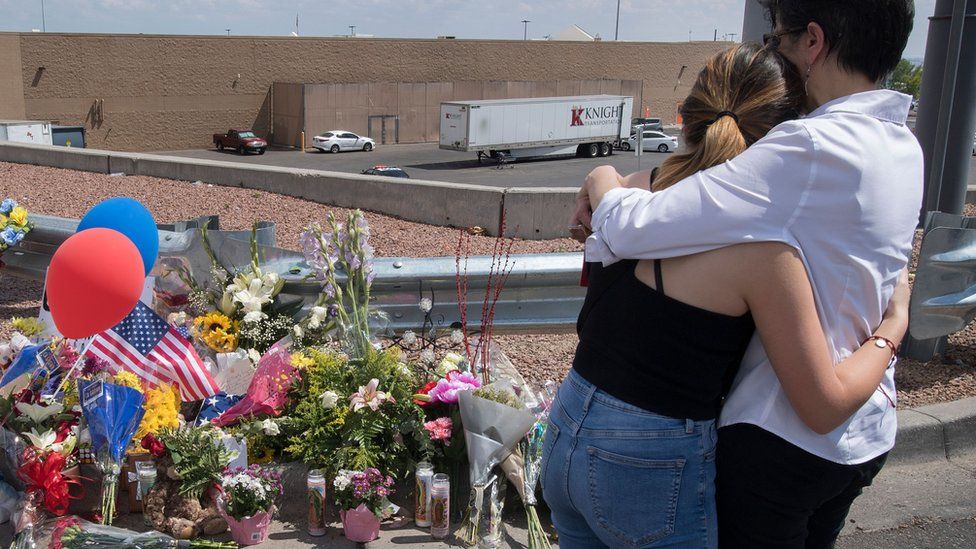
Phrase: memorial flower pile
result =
(14, 224)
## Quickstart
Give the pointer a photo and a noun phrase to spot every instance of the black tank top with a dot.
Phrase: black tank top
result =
(653, 351)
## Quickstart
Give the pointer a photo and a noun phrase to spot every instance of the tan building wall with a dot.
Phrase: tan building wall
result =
(150, 92)
(11, 85)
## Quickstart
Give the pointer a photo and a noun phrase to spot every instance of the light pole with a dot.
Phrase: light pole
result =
(43, 23)
(616, 30)
(228, 31)
(352, 30)
(525, 29)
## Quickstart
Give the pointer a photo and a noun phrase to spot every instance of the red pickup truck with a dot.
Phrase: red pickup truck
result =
(243, 140)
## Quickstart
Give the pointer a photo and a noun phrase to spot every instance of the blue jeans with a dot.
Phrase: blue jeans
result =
(615, 475)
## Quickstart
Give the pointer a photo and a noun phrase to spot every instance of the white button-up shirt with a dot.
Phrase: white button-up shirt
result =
(844, 187)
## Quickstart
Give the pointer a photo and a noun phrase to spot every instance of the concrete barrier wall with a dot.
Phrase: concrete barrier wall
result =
(536, 213)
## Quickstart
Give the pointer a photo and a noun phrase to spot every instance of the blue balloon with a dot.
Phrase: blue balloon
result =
(130, 218)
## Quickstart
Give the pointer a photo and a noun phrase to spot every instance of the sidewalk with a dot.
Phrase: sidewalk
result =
(931, 474)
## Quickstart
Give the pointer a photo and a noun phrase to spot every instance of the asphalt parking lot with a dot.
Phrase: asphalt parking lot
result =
(427, 161)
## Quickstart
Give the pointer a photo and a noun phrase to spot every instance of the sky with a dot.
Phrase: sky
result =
(643, 20)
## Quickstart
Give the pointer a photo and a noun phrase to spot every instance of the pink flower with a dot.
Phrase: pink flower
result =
(369, 396)
(440, 429)
(456, 381)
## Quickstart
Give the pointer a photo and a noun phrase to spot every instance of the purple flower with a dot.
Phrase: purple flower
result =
(447, 389)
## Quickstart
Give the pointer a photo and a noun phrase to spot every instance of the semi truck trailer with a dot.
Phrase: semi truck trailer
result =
(544, 126)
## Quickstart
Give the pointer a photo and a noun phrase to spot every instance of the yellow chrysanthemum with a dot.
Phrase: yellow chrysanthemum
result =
(128, 379)
(3, 221)
(162, 411)
(300, 361)
(19, 216)
(217, 331)
(70, 394)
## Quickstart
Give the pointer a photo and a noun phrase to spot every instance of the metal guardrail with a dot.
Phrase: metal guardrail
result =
(944, 292)
(542, 293)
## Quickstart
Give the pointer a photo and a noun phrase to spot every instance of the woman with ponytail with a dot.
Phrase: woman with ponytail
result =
(799, 229)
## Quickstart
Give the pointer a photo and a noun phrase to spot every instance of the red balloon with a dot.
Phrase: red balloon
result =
(95, 279)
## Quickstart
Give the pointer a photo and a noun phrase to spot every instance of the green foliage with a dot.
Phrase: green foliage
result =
(500, 396)
(339, 438)
(198, 457)
(906, 78)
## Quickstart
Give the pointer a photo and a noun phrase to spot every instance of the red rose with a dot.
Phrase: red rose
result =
(62, 431)
(154, 445)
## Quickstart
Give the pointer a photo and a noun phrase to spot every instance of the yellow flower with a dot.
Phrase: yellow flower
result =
(162, 411)
(128, 379)
(217, 331)
(266, 457)
(28, 326)
(3, 221)
(300, 361)
(19, 216)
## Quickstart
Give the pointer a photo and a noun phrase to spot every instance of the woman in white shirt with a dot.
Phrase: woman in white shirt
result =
(828, 203)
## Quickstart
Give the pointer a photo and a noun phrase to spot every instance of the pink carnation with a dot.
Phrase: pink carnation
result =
(456, 381)
(440, 429)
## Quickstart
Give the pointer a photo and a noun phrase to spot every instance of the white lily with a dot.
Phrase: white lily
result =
(41, 441)
(38, 413)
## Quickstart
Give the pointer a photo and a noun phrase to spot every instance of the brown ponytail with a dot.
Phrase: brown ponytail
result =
(739, 96)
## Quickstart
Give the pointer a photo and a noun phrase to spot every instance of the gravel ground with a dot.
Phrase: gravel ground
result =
(69, 193)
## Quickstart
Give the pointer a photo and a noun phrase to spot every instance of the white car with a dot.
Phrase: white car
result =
(341, 140)
(653, 141)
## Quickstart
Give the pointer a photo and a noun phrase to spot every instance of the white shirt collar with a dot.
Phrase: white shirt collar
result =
(887, 105)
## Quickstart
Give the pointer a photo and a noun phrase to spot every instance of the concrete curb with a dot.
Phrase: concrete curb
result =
(940, 431)
(533, 214)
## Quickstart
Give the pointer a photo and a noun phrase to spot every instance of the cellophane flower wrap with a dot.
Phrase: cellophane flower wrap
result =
(342, 259)
(113, 413)
(75, 533)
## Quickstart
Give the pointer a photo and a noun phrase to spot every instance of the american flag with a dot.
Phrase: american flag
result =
(146, 345)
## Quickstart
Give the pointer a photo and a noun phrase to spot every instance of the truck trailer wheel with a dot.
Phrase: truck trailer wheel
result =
(605, 149)
(591, 150)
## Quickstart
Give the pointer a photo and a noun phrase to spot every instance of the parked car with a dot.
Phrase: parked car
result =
(341, 140)
(653, 141)
(653, 124)
(388, 171)
(243, 140)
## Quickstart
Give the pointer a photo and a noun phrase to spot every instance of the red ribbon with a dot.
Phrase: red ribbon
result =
(45, 476)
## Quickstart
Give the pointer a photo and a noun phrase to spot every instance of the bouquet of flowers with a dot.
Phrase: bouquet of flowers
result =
(74, 533)
(250, 491)
(14, 225)
(113, 414)
(369, 489)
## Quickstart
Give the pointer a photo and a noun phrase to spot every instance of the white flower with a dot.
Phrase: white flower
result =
(317, 316)
(404, 370)
(38, 413)
(426, 305)
(329, 399)
(40, 441)
(254, 355)
(409, 338)
(254, 316)
(343, 479)
(457, 336)
(270, 428)
(177, 319)
(427, 356)
(298, 331)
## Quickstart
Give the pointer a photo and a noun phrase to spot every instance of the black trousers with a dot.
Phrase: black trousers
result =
(773, 494)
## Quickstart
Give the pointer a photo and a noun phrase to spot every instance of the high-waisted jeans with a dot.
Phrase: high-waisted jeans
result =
(616, 475)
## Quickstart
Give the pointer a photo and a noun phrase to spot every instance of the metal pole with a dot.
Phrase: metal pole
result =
(616, 31)
(43, 21)
(947, 115)
(755, 24)
(352, 30)
(525, 29)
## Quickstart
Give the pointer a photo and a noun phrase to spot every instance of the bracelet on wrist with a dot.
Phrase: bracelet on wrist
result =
(881, 342)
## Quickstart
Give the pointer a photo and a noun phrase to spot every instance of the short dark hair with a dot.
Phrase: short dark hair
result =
(868, 36)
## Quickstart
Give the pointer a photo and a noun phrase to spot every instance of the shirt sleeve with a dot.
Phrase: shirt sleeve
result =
(754, 197)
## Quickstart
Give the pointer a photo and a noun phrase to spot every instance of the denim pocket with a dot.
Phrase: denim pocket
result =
(634, 499)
